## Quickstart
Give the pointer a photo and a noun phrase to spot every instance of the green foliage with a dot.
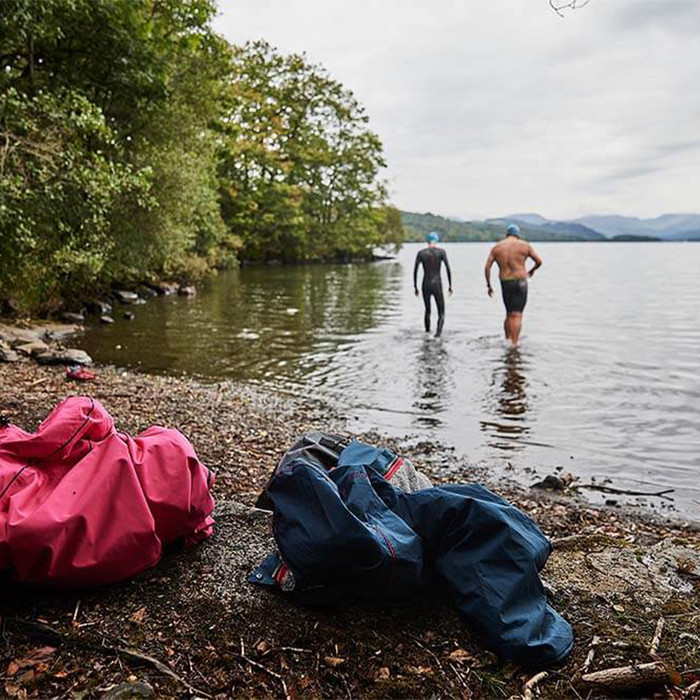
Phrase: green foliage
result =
(136, 143)
(299, 166)
(58, 187)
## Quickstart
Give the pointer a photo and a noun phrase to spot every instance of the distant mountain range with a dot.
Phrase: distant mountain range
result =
(669, 227)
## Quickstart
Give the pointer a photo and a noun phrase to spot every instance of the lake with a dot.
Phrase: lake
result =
(606, 382)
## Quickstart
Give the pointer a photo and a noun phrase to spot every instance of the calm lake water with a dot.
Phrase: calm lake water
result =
(605, 384)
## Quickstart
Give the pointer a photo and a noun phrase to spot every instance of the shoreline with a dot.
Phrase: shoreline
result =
(195, 612)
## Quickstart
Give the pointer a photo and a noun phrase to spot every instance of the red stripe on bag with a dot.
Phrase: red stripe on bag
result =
(398, 463)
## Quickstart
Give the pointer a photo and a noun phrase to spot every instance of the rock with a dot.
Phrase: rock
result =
(164, 288)
(125, 691)
(552, 483)
(187, 291)
(146, 292)
(97, 307)
(7, 355)
(70, 317)
(107, 320)
(129, 316)
(71, 356)
(33, 348)
(126, 297)
(10, 306)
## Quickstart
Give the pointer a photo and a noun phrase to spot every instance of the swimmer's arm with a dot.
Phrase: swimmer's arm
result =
(415, 274)
(449, 272)
(487, 273)
(538, 261)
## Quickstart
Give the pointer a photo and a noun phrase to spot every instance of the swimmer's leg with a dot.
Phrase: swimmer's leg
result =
(512, 326)
(440, 301)
(426, 301)
(516, 324)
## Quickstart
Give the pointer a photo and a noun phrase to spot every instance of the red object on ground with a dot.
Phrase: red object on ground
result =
(81, 374)
(82, 504)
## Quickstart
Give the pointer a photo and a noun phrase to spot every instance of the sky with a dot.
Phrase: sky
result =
(493, 107)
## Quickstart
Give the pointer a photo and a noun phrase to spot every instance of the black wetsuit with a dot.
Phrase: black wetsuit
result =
(514, 295)
(431, 259)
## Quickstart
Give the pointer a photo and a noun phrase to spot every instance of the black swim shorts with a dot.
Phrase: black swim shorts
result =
(514, 295)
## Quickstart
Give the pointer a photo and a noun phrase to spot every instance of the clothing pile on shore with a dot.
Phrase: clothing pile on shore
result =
(82, 504)
(347, 530)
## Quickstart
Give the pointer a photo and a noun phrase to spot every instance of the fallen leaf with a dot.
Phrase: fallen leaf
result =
(139, 616)
(262, 647)
(36, 656)
(460, 656)
(420, 670)
(333, 661)
(383, 674)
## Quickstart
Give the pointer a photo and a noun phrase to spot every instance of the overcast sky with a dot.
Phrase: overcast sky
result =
(491, 107)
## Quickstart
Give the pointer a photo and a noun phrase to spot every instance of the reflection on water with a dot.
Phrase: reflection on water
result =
(606, 381)
(432, 378)
(507, 400)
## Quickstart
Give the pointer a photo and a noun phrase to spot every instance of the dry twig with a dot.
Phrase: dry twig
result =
(532, 684)
(656, 641)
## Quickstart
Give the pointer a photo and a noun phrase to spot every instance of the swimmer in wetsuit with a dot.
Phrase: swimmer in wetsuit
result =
(511, 254)
(432, 258)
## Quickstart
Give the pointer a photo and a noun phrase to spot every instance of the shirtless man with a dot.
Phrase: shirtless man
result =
(511, 254)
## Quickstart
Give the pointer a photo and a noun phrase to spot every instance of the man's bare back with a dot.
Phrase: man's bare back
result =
(511, 254)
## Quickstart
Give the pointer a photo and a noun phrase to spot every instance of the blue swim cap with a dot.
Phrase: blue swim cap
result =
(513, 230)
(433, 237)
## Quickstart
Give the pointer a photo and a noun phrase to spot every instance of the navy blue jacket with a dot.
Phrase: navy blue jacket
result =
(345, 533)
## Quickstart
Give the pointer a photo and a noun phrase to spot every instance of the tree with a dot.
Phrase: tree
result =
(146, 75)
(299, 167)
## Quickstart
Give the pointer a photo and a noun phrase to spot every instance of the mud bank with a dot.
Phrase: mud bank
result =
(192, 626)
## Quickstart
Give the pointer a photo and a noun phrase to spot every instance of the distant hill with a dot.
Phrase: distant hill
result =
(419, 225)
(669, 227)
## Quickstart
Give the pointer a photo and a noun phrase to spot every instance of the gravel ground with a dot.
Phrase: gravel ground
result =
(192, 626)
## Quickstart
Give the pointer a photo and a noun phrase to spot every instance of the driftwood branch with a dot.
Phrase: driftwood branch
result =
(625, 492)
(532, 683)
(656, 641)
(629, 677)
(595, 643)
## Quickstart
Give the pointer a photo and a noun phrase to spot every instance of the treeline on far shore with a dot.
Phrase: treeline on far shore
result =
(137, 144)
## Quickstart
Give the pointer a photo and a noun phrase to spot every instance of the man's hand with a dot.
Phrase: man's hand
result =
(450, 291)
(490, 291)
(415, 289)
(532, 272)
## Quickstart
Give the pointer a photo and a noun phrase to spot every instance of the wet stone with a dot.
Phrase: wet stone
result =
(71, 356)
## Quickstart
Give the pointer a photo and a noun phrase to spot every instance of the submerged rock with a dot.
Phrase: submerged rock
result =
(187, 291)
(70, 356)
(129, 316)
(107, 320)
(164, 288)
(126, 297)
(70, 317)
(97, 307)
